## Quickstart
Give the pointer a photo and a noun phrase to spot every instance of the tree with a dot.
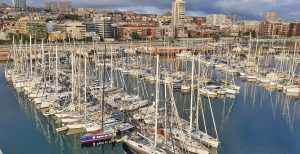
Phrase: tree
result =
(216, 37)
(134, 36)
(88, 39)
(72, 16)
(253, 33)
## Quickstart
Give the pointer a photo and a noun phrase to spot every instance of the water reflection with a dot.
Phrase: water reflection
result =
(253, 99)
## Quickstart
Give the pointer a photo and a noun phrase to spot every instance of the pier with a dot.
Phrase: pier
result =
(5, 56)
(83, 92)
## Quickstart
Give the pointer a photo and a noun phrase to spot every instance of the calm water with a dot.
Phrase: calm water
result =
(256, 122)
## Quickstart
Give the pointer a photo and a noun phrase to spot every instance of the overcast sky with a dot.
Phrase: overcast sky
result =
(243, 9)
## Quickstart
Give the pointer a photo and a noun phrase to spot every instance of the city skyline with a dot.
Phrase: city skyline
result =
(243, 9)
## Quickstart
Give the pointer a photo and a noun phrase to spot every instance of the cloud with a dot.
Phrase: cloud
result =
(243, 9)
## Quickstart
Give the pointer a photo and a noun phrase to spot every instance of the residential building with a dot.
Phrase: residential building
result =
(117, 32)
(90, 27)
(50, 26)
(216, 19)
(75, 30)
(271, 17)
(277, 28)
(53, 27)
(37, 28)
(57, 36)
(20, 25)
(51, 6)
(60, 7)
(250, 25)
(103, 26)
(144, 31)
(294, 28)
(59, 27)
(64, 7)
(19, 4)
(178, 18)
(32, 26)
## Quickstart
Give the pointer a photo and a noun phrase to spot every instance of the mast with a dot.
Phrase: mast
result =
(165, 107)
(103, 86)
(43, 60)
(111, 67)
(85, 102)
(21, 56)
(56, 73)
(192, 95)
(15, 53)
(49, 63)
(213, 118)
(30, 50)
(156, 100)
(249, 50)
(72, 63)
(200, 100)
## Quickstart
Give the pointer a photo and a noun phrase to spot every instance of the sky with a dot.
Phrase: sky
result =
(243, 9)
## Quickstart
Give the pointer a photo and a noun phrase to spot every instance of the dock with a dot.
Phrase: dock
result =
(5, 56)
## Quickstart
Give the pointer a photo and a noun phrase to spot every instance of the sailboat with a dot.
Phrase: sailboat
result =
(139, 143)
(104, 134)
(98, 136)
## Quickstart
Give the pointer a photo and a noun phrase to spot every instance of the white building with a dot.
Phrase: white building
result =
(75, 30)
(216, 19)
(178, 17)
(53, 27)
(103, 26)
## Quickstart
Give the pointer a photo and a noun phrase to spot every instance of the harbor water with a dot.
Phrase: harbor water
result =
(257, 121)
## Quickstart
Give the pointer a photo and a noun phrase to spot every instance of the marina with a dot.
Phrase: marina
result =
(149, 77)
(128, 99)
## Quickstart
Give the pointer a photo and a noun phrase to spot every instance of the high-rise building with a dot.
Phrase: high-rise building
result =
(19, 4)
(103, 26)
(178, 12)
(65, 7)
(271, 17)
(61, 7)
(51, 6)
(178, 16)
(294, 28)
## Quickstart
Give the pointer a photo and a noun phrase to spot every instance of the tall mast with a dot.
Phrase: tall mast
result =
(156, 100)
(30, 50)
(249, 51)
(213, 118)
(111, 69)
(21, 56)
(103, 86)
(15, 53)
(43, 60)
(49, 63)
(85, 102)
(56, 73)
(192, 97)
(165, 107)
(72, 63)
